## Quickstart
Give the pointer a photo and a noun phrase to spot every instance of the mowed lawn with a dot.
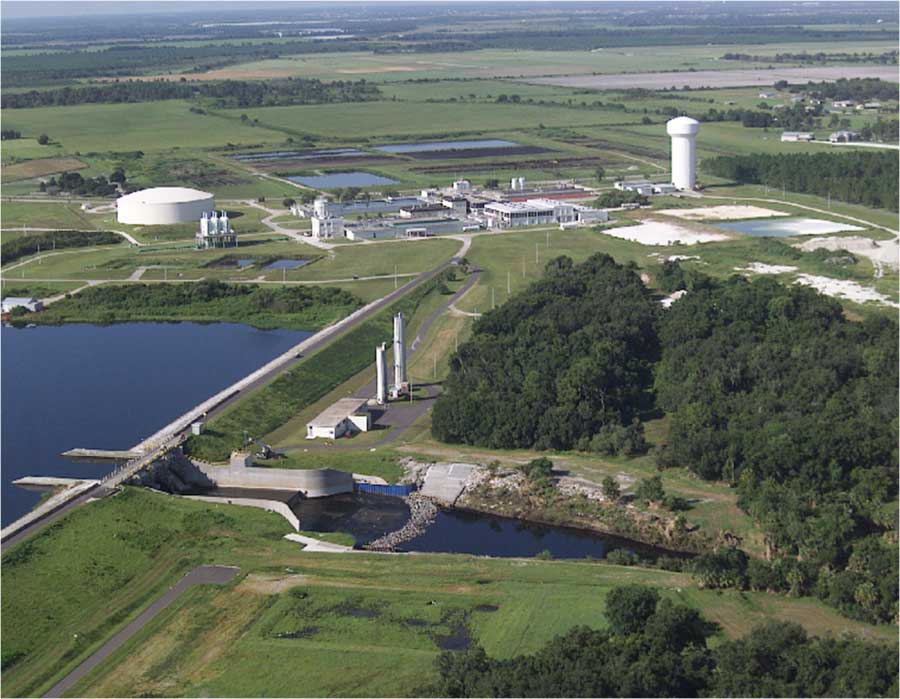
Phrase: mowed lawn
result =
(128, 127)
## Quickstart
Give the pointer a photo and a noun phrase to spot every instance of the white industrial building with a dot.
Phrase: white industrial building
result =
(683, 131)
(328, 227)
(346, 417)
(215, 231)
(793, 136)
(462, 186)
(532, 212)
(163, 205)
(29, 304)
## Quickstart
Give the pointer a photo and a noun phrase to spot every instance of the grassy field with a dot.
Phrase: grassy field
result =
(150, 126)
(382, 615)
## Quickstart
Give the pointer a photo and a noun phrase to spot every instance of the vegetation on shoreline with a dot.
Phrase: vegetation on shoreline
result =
(294, 307)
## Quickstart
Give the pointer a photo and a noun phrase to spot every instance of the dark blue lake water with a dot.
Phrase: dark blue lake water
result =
(109, 387)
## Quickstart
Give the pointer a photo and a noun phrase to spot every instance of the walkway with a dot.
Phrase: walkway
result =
(204, 575)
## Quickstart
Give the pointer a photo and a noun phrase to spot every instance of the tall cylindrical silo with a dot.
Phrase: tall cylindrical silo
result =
(381, 375)
(399, 352)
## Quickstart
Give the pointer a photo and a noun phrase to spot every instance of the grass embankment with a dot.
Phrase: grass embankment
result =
(16, 247)
(75, 584)
(297, 308)
(274, 405)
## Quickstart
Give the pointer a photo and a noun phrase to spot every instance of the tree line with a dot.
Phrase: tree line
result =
(655, 647)
(868, 178)
(75, 183)
(765, 386)
(12, 249)
(885, 58)
(222, 94)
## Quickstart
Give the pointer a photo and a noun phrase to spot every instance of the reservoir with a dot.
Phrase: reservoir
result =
(82, 385)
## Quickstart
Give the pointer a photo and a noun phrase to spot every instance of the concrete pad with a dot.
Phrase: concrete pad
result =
(445, 481)
(311, 544)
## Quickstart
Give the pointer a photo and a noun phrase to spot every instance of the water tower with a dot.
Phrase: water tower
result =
(683, 131)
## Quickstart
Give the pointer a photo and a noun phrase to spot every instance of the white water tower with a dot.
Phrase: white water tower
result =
(683, 131)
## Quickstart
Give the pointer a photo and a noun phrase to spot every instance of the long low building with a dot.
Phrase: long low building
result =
(347, 416)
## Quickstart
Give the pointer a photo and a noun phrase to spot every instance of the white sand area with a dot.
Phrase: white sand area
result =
(762, 268)
(840, 288)
(652, 232)
(886, 252)
(722, 213)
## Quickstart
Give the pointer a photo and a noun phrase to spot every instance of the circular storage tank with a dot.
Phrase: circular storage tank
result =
(161, 205)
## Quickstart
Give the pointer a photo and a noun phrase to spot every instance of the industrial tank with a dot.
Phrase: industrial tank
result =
(683, 131)
(163, 205)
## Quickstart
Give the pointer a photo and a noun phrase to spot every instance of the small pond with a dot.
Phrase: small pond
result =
(367, 517)
(358, 178)
(286, 264)
(786, 227)
(446, 145)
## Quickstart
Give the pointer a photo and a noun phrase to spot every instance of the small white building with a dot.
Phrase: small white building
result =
(843, 104)
(462, 186)
(793, 136)
(459, 206)
(767, 95)
(346, 417)
(641, 187)
(29, 304)
(588, 214)
(843, 137)
(327, 227)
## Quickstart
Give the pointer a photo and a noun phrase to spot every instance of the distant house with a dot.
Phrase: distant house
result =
(767, 95)
(29, 304)
(872, 105)
(793, 136)
(843, 104)
(843, 136)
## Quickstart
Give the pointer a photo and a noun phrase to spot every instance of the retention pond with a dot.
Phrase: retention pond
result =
(367, 517)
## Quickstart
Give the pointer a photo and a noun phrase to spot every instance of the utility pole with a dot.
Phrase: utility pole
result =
(537, 255)
(548, 240)
(523, 268)
(395, 277)
(457, 338)
(434, 370)
(492, 298)
(508, 285)
(283, 275)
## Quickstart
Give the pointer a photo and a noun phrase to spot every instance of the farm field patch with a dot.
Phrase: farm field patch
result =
(39, 168)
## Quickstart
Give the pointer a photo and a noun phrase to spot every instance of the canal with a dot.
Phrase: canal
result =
(82, 385)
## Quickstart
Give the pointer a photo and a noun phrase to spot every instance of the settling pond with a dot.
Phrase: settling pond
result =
(786, 227)
(358, 178)
(367, 517)
(446, 145)
(109, 387)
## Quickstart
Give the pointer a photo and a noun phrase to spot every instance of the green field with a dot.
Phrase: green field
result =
(58, 606)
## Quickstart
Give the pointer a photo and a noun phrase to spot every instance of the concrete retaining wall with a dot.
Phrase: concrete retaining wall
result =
(268, 505)
(313, 483)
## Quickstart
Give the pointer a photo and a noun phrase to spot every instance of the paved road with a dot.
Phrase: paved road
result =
(399, 417)
(204, 575)
(291, 358)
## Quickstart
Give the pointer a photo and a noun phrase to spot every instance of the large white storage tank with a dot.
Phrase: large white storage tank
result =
(162, 205)
(683, 131)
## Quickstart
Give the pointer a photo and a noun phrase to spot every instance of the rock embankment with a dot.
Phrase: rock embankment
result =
(422, 512)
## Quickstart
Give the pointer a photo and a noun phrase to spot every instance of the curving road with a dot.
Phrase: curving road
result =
(204, 575)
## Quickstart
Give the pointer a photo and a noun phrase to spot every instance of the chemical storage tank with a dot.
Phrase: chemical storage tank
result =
(163, 205)
(683, 131)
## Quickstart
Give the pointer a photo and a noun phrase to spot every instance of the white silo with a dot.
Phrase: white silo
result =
(381, 387)
(399, 353)
(320, 207)
(683, 131)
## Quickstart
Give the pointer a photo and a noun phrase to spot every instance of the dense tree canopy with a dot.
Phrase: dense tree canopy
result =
(663, 652)
(13, 248)
(857, 177)
(557, 365)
